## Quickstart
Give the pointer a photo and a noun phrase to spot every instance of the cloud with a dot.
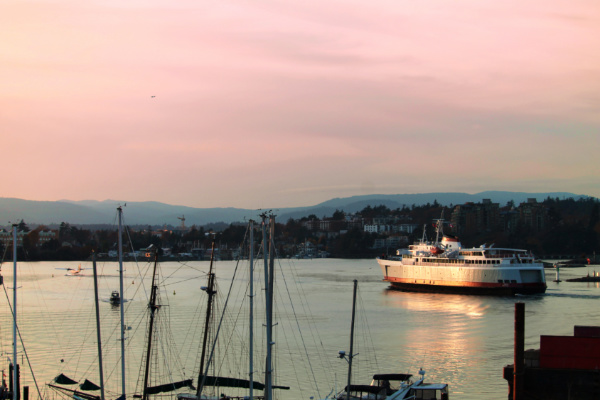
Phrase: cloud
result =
(295, 102)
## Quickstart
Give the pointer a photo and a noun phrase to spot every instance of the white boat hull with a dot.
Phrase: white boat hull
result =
(500, 279)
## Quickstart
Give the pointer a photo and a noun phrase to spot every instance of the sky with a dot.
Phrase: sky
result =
(263, 103)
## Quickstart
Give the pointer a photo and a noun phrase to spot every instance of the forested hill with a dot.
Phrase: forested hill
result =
(549, 228)
(158, 214)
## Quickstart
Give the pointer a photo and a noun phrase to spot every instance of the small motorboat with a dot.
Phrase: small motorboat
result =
(396, 387)
(115, 298)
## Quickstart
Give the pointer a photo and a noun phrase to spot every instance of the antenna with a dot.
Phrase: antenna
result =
(182, 218)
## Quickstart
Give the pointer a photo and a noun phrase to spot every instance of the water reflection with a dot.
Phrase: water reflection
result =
(470, 306)
(461, 340)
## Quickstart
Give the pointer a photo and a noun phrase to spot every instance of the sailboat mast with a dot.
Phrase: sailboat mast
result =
(153, 307)
(211, 292)
(120, 212)
(269, 280)
(98, 326)
(351, 356)
(15, 368)
(251, 322)
(438, 228)
(268, 322)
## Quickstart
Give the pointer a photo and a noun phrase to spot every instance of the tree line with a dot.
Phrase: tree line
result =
(572, 228)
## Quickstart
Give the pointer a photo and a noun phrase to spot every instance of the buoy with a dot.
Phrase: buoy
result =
(173, 293)
(132, 282)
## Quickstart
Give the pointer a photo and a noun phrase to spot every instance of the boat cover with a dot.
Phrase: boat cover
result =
(235, 382)
(231, 382)
(169, 387)
(87, 385)
(391, 377)
(64, 380)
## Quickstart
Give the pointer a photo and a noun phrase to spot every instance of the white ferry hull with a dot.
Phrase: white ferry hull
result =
(488, 279)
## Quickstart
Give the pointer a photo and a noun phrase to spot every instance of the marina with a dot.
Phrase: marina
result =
(463, 341)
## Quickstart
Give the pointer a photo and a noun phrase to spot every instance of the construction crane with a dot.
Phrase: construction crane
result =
(182, 218)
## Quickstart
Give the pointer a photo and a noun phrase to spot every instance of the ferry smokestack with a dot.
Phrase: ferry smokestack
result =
(519, 367)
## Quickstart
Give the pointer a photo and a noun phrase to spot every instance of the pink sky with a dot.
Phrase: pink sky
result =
(290, 103)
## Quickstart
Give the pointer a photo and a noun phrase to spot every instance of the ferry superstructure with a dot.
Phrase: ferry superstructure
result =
(445, 267)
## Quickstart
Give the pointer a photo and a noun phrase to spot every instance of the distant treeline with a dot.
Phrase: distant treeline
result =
(568, 227)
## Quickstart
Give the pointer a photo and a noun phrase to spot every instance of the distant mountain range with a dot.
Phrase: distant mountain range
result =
(91, 212)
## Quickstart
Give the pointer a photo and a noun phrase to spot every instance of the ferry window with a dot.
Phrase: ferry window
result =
(500, 281)
(513, 281)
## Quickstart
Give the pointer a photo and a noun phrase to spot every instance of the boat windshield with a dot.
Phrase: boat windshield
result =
(428, 393)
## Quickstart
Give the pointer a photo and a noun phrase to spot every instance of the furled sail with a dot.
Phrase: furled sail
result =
(169, 387)
(220, 381)
(75, 393)
(64, 380)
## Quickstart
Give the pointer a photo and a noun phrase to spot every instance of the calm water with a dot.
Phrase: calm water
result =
(460, 340)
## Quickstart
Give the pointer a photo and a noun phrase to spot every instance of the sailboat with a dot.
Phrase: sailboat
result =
(153, 307)
(12, 391)
(205, 380)
(219, 382)
(148, 387)
(388, 386)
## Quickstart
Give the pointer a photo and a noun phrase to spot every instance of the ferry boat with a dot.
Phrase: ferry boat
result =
(444, 266)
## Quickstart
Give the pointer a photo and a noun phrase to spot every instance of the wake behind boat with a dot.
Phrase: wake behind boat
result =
(446, 267)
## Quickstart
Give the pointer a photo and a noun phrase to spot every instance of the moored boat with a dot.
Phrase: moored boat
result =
(392, 386)
(396, 387)
(444, 266)
(115, 298)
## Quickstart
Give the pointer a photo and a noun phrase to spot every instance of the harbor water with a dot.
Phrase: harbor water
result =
(461, 340)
